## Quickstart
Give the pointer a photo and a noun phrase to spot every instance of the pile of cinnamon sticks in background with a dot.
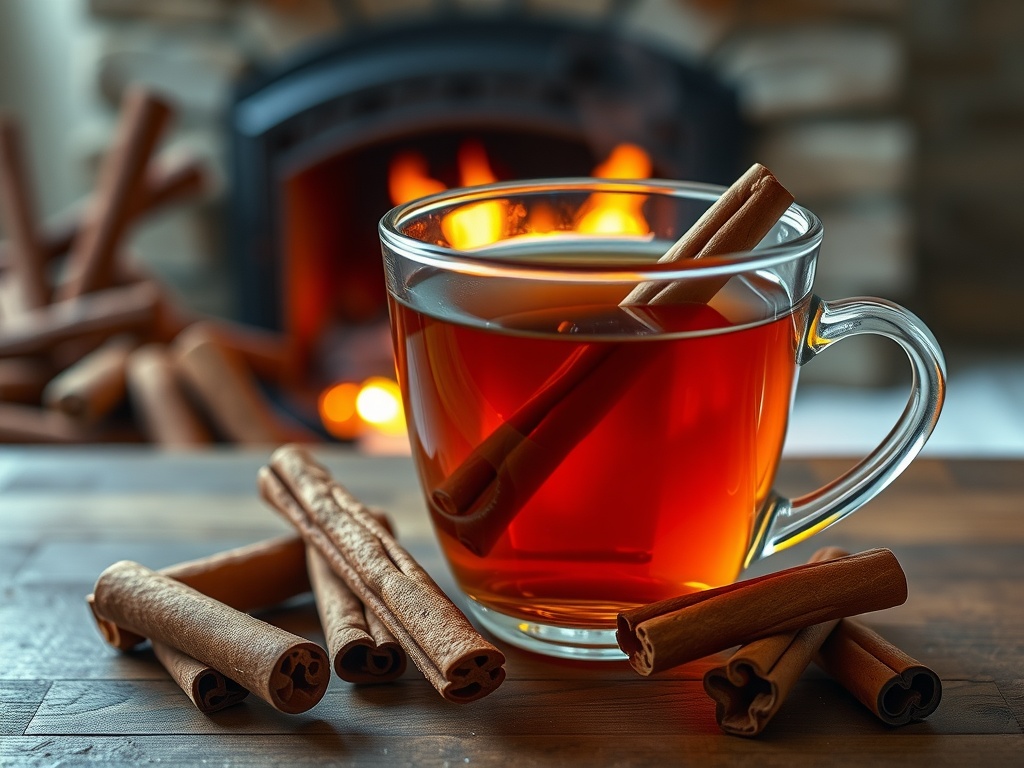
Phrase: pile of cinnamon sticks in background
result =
(85, 330)
(377, 606)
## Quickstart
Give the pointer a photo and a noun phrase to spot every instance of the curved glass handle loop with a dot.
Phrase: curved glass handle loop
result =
(786, 522)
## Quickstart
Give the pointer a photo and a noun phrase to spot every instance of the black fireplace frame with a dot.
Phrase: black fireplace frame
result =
(565, 79)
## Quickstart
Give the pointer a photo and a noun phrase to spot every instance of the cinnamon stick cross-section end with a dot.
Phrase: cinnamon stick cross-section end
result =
(209, 689)
(435, 634)
(896, 687)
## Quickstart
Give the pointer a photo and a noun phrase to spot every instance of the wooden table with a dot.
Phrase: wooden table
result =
(66, 698)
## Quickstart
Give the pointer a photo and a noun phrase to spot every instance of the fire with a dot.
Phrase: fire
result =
(480, 224)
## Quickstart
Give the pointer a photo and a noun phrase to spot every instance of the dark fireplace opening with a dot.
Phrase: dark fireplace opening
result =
(314, 143)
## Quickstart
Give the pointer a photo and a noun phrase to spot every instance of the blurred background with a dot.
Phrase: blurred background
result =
(899, 122)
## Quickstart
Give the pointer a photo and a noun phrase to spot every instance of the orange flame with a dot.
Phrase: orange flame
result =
(480, 224)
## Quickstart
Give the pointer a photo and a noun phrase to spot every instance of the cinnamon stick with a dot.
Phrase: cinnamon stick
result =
(164, 412)
(99, 315)
(481, 496)
(219, 379)
(360, 646)
(286, 671)
(91, 262)
(896, 687)
(17, 212)
(750, 688)
(166, 183)
(92, 387)
(29, 424)
(209, 689)
(22, 380)
(435, 634)
(247, 578)
(665, 634)
(270, 356)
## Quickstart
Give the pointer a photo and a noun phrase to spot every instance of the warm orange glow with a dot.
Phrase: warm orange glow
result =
(409, 178)
(481, 223)
(618, 214)
(338, 410)
(379, 403)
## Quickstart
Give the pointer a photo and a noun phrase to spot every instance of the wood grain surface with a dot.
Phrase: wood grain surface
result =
(68, 699)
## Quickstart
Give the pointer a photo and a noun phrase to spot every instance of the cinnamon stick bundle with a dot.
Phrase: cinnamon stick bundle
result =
(29, 424)
(665, 634)
(17, 212)
(286, 671)
(482, 495)
(897, 688)
(751, 686)
(209, 689)
(435, 634)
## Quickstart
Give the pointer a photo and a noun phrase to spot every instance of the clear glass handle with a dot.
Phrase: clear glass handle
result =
(786, 522)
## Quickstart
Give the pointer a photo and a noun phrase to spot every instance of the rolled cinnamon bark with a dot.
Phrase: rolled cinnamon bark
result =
(435, 634)
(18, 214)
(22, 380)
(91, 388)
(220, 380)
(99, 315)
(896, 687)
(361, 648)
(247, 578)
(270, 356)
(665, 634)
(208, 689)
(29, 424)
(143, 119)
(752, 685)
(286, 671)
(485, 492)
(165, 414)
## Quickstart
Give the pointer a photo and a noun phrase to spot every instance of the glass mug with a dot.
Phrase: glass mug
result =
(579, 457)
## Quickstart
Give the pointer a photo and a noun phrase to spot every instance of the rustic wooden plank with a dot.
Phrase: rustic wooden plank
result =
(12, 557)
(19, 700)
(1013, 693)
(477, 751)
(583, 708)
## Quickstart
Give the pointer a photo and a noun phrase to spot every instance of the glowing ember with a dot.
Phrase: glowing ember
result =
(338, 410)
(379, 403)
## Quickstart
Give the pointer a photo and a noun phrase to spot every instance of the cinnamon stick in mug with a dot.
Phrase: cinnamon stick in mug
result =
(287, 671)
(749, 689)
(482, 495)
(671, 632)
(439, 639)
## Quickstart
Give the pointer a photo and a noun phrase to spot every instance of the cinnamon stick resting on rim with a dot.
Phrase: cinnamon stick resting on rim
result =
(671, 632)
(435, 634)
(749, 689)
(481, 496)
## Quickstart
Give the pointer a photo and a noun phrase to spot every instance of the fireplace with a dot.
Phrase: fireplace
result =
(315, 143)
